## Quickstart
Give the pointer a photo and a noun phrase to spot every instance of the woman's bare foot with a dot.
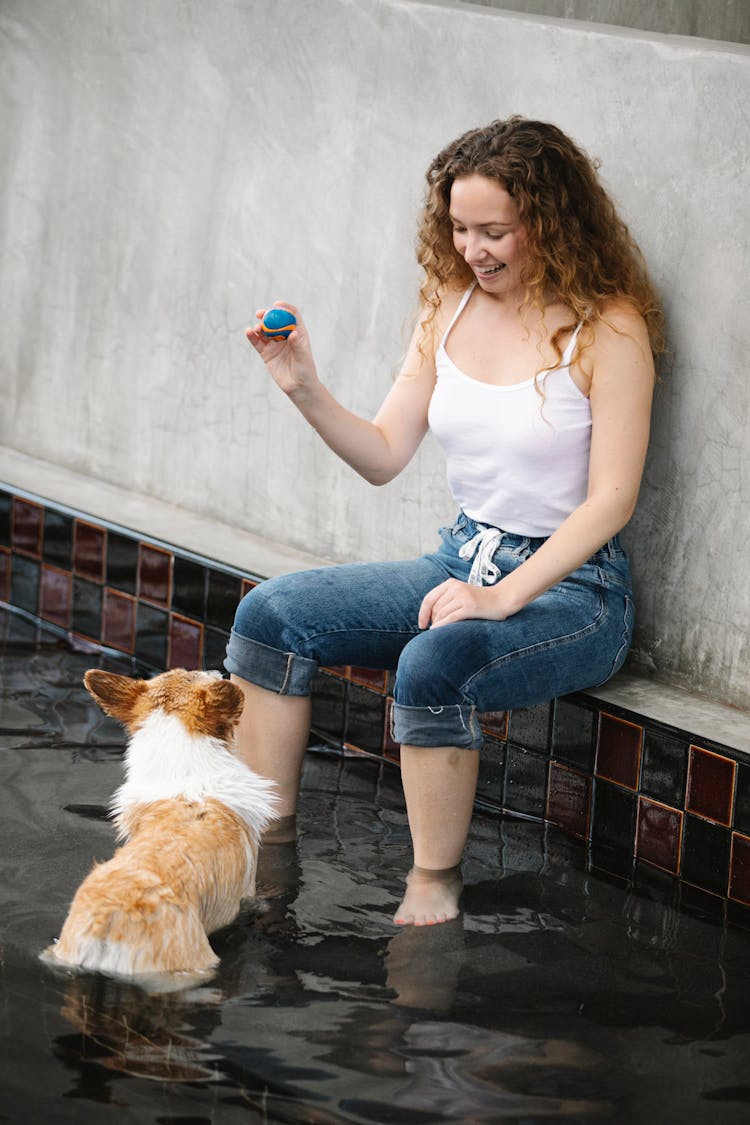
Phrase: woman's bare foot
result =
(431, 897)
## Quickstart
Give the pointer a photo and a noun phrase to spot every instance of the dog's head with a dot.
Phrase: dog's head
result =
(203, 701)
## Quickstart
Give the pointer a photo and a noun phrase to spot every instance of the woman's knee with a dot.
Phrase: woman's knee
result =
(427, 675)
(268, 612)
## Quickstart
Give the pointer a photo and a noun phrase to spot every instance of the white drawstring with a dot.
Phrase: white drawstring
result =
(482, 547)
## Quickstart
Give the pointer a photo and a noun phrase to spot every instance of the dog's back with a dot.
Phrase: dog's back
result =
(190, 856)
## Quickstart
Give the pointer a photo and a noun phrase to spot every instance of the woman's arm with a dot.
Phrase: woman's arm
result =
(377, 450)
(621, 393)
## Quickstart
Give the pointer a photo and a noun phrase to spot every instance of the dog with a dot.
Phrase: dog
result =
(192, 816)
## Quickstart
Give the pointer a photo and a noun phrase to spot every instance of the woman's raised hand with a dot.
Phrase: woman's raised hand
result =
(289, 360)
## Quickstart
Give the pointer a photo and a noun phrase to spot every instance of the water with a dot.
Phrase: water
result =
(562, 993)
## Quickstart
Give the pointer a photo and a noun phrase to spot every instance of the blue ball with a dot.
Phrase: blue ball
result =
(278, 322)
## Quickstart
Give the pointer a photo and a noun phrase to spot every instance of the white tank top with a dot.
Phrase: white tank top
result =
(515, 460)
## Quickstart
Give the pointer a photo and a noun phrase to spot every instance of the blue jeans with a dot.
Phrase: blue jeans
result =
(572, 637)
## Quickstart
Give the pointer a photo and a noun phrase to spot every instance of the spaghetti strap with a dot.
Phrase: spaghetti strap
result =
(570, 346)
(461, 306)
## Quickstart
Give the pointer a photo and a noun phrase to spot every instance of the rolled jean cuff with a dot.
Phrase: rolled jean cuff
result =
(286, 673)
(456, 724)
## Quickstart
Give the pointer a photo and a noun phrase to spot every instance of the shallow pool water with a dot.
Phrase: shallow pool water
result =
(563, 992)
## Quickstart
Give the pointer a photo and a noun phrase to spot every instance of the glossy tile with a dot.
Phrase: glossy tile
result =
(6, 509)
(154, 574)
(122, 562)
(705, 855)
(525, 780)
(28, 524)
(618, 752)
(55, 596)
(491, 780)
(530, 727)
(88, 599)
(328, 707)
(710, 788)
(659, 835)
(494, 724)
(365, 717)
(189, 581)
(214, 648)
(185, 643)
(5, 558)
(664, 767)
(89, 551)
(151, 635)
(573, 732)
(739, 868)
(24, 583)
(742, 799)
(373, 678)
(614, 817)
(223, 596)
(118, 620)
(569, 799)
(58, 539)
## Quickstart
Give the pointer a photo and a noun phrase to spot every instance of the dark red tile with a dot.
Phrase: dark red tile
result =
(28, 526)
(55, 596)
(494, 723)
(185, 643)
(391, 749)
(118, 620)
(659, 835)
(342, 672)
(247, 586)
(369, 677)
(569, 799)
(710, 788)
(154, 574)
(4, 575)
(618, 752)
(89, 551)
(739, 870)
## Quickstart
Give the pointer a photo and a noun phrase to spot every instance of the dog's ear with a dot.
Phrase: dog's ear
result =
(222, 703)
(117, 695)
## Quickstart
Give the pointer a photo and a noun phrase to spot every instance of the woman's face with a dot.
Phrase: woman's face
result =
(487, 233)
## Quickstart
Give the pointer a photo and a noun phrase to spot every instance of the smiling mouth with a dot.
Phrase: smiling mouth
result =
(490, 271)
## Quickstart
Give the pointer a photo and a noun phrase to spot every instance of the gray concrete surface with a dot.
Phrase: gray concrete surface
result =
(170, 167)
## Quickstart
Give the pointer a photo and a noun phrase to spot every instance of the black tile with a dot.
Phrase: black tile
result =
(24, 583)
(222, 598)
(214, 648)
(530, 727)
(329, 707)
(490, 785)
(525, 781)
(6, 504)
(122, 562)
(742, 799)
(365, 719)
(58, 539)
(573, 734)
(664, 767)
(151, 626)
(87, 608)
(705, 854)
(613, 823)
(189, 588)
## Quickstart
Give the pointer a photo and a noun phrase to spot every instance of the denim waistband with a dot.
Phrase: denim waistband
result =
(465, 528)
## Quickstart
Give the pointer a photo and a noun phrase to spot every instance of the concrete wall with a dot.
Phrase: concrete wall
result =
(169, 167)
(727, 19)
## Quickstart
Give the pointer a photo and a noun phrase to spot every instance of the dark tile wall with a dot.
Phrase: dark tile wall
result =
(647, 796)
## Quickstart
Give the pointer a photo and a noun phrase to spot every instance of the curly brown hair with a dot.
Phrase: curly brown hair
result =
(578, 246)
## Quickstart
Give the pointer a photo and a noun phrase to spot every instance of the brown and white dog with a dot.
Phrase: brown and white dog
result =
(192, 815)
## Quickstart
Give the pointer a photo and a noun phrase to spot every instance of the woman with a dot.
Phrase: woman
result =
(532, 363)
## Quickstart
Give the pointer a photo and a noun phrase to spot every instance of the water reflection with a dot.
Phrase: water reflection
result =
(564, 991)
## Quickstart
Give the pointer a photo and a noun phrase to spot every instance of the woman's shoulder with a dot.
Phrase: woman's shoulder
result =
(618, 317)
